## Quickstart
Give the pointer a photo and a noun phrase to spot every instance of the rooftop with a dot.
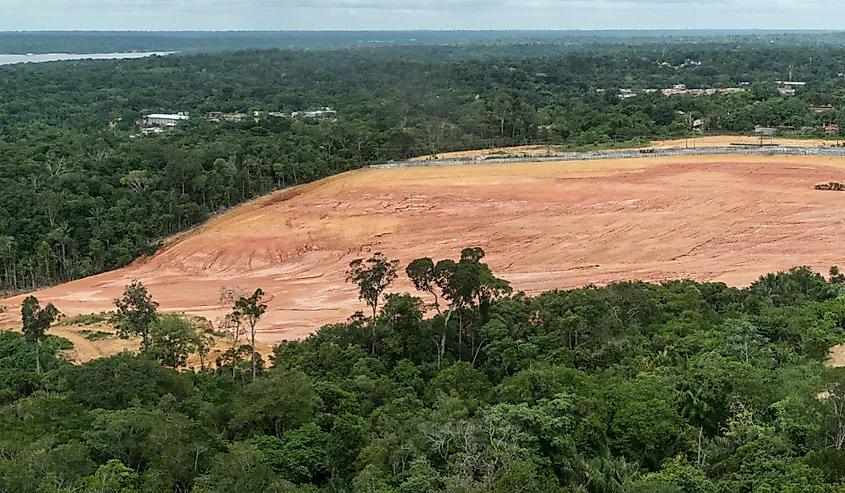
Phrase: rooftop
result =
(168, 117)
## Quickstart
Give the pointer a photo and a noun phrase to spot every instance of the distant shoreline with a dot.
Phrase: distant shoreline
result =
(13, 59)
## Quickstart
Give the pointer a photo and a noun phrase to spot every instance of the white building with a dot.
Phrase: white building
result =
(164, 120)
(321, 113)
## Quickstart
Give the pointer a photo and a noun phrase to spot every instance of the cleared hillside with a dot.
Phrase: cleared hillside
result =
(544, 226)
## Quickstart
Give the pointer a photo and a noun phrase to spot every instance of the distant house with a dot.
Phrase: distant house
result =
(626, 93)
(216, 116)
(832, 129)
(151, 130)
(681, 89)
(164, 120)
(786, 91)
(819, 109)
(321, 113)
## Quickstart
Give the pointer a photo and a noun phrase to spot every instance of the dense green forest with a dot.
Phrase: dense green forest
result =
(679, 387)
(205, 41)
(81, 191)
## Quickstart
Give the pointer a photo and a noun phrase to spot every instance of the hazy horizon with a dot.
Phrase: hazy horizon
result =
(411, 30)
(354, 15)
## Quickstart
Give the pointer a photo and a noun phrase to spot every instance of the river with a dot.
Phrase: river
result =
(56, 57)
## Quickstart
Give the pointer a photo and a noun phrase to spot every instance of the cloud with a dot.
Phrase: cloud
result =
(419, 14)
(437, 5)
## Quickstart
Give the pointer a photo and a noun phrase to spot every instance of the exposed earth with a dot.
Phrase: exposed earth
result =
(543, 226)
(92, 340)
(693, 142)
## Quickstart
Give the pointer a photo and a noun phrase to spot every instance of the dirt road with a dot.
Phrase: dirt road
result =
(692, 142)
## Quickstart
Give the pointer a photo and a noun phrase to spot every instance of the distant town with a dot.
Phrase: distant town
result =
(158, 123)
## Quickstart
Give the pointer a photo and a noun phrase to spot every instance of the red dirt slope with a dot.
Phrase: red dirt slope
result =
(544, 226)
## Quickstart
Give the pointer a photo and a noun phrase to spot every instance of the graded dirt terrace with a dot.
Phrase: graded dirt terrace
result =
(543, 226)
(692, 142)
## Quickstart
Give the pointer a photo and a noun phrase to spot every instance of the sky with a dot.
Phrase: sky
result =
(154, 15)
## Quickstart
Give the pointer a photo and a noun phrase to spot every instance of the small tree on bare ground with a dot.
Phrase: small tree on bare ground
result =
(250, 310)
(136, 311)
(36, 321)
(231, 323)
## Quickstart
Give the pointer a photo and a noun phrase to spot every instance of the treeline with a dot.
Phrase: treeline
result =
(206, 41)
(634, 387)
(82, 192)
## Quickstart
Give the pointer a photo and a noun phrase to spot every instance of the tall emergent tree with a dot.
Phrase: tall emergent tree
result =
(466, 284)
(136, 311)
(36, 321)
(251, 310)
(372, 277)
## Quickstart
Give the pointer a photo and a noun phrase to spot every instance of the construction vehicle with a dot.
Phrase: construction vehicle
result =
(834, 186)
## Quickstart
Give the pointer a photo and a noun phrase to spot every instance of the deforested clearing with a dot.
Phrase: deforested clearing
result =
(543, 226)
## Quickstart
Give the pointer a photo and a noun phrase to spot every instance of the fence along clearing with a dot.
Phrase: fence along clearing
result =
(626, 154)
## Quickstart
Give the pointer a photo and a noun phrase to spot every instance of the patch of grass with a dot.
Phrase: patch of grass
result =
(58, 343)
(88, 319)
(95, 335)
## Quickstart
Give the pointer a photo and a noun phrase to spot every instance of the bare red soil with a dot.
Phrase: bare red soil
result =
(543, 226)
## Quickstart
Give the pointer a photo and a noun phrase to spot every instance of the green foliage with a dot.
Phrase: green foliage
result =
(35, 322)
(250, 310)
(171, 340)
(633, 387)
(462, 381)
(87, 319)
(95, 335)
(274, 405)
(111, 477)
(136, 311)
(372, 278)
(678, 386)
(677, 472)
(130, 379)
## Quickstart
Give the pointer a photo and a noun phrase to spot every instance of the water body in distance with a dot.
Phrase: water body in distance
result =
(56, 57)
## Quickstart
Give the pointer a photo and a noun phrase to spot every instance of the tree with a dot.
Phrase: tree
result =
(243, 468)
(251, 309)
(135, 312)
(832, 408)
(678, 472)
(111, 477)
(231, 323)
(36, 321)
(468, 283)
(403, 315)
(131, 379)
(204, 345)
(274, 405)
(744, 341)
(172, 340)
(372, 277)
(428, 277)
